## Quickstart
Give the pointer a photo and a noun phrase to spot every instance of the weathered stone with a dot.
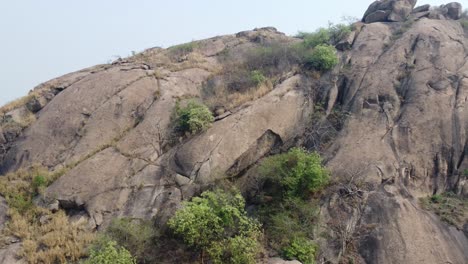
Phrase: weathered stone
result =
(454, 10)
(389, 11)
(35, 104)
(347, 42)
(422, 8)
(282, 261)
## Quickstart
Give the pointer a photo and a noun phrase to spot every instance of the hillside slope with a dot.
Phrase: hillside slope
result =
(401, 89)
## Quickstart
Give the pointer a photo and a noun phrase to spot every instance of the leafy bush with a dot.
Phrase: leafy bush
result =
(257, 77)
(193, 118)
(38, 183)
(322, 58)
(217, 223)
(290, 214)
(301, 249)
(110, 253)
(137, 236)
(338, 32)
(325, 36)
(297, 172)
(312, 40)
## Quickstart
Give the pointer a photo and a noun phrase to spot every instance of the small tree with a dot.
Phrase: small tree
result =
(297, 172)
(110, 253)
(322, 58)
(217, 223)
(193, 118)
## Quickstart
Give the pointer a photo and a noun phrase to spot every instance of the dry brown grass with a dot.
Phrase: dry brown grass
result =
(57, 240)
(231, 100)
(16, 103)
(46, 237)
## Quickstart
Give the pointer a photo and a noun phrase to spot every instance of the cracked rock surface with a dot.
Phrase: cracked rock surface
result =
(405, 136)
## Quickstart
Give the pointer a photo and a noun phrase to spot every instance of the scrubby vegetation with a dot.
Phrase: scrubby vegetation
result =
(217, 225)
(110, 253)
(47, 237)
(289, 182)
(259, 69)
(193, 118)
(449, 207)
(181, 50)
(135, 235)
(322, 58)
(325, 36)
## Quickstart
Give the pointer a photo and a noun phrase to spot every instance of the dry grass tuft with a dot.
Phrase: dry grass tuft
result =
(17, 103)
(47, 237)
(230, 100)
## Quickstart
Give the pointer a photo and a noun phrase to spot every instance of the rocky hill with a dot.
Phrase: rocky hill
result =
(388, 119)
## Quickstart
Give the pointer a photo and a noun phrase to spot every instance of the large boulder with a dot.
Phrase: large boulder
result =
(454, 10)
(389, 11)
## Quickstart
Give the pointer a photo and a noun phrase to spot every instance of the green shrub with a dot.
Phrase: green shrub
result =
(257, 77)
(322, 58)
(137, 236)
(38, 183)
(325, 36)
(338, 32)
(297, 172)
(289, 180)
(217, 223)
(193, 118)
(301, 249)
(319, 37)
(110, 253)
(183, 49)
(436, 198)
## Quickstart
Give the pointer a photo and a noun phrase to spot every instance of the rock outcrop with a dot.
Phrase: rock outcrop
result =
(403, 90)
(388, 11)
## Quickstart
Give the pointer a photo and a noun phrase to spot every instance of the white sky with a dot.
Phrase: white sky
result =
(43, 39)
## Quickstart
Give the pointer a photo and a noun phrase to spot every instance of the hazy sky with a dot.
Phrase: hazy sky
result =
(43, 39)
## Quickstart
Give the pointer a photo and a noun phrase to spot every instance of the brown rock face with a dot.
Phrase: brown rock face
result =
(404, 92)
(389, 11)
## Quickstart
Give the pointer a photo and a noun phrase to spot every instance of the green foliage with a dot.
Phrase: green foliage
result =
(301, 249)
(436, 198)
(338, 32)
(217, 223)
(257, 77)
(297, 172)
(110, 253)
(290, 215)
(137, 236)
(183, 49)
(319, 37)
(20, 202)
(322, 58)
(38, 183)
(325, 36)
(193, 118)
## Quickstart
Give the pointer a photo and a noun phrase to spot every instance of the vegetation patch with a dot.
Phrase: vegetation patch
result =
(287, 207)
(449, 207)
(47, 237)
(216, 224)
(135, 235)
(193, 118)
(110, 253)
